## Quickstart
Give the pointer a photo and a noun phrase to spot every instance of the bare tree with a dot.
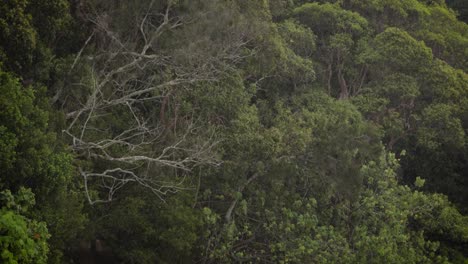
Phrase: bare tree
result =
(119, 127)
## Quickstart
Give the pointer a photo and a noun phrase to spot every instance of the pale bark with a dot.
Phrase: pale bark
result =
(127, 75)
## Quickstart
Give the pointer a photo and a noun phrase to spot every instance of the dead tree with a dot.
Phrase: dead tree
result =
(131, 78)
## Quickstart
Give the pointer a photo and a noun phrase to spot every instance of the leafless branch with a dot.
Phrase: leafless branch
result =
(130, 79)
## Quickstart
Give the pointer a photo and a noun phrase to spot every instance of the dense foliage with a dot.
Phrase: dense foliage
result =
(275, 131)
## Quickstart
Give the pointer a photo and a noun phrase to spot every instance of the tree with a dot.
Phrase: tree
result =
(28, 33)
(400, 52)
(391, 104)
(32, 157)
(128, 121)
(16, 32)
(22, 240)
(460, 7)
(341, 34)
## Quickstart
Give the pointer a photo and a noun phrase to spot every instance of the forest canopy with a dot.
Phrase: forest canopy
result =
(233, 131)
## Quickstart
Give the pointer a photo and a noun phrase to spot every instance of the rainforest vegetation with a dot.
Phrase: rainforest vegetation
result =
(233, 131)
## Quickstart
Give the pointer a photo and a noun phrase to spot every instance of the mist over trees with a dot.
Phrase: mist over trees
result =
(232, 131)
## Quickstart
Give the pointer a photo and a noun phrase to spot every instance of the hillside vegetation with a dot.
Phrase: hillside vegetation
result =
(234, 131)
